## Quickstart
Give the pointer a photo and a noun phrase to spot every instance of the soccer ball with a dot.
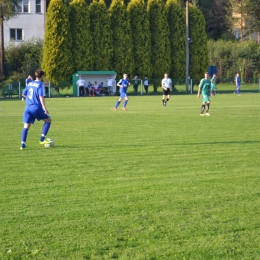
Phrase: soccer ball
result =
(50, 144)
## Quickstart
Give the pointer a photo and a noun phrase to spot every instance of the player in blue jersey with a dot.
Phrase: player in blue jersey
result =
(123, 84)
(35, 108)
(28, 80)
(238, 84)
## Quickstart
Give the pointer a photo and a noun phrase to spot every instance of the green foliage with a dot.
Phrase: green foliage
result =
(161, 60)
(23, 59)
(198, 47)
(232, 57)
(253, 11)
(217, 14)
(82, 50)
(57, 54)
(141, 36)
(122, 58)
(177, 28)
(101, 34)
(8, 9)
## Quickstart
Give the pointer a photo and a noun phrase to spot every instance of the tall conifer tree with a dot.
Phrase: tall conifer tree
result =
(198, 47)
(82, 46)
(101, 35)
(57, 58)
(122, 59)
(161, 60)
(177, 28)
(141, 35)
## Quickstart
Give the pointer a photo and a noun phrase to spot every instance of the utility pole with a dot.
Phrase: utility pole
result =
(187, 47)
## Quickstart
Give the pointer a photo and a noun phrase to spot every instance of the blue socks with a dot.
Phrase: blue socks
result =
(24, 136)
(117, 103)
(45, 130)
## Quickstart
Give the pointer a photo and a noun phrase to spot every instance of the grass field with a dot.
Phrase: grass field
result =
(150, 183)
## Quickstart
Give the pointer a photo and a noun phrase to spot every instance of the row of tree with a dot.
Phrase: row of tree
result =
(218, 15)
(147, 39)
(230, 57)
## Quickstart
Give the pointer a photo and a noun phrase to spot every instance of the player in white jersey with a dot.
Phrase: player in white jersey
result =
(166, 86)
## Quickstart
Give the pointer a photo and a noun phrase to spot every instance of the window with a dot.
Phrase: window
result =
(38, 6)
(16, 34)
(23, 6)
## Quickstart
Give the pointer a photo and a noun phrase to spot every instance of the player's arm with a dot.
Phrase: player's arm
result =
(42, 100)
(198, 95)
(24, 94)
(163, 85)
(118, 83)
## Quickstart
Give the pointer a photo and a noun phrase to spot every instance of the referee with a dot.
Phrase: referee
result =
(166, 86)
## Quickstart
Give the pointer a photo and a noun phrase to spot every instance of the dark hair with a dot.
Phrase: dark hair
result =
(39, 73)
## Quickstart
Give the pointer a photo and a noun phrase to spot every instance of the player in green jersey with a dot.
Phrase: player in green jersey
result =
(205, 91)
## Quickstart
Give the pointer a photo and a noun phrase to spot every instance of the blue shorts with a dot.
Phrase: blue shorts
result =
(123, 95)
(34, 112)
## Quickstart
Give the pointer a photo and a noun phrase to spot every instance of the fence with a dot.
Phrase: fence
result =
(65, 89)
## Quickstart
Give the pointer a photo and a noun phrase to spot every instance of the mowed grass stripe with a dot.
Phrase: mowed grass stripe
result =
(150, 183)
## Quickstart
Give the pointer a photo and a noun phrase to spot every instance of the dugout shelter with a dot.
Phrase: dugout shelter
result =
(92, 76)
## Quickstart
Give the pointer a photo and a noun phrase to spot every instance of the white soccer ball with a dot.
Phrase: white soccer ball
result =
(50, 144)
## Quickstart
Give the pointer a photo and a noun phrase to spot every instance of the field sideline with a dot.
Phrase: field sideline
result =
(150, 183)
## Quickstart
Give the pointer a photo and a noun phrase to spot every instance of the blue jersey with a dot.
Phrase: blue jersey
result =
(27, 81)
(238, 81)
(124, 83)
(33, 91)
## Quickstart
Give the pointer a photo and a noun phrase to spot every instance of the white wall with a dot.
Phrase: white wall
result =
(32, 24)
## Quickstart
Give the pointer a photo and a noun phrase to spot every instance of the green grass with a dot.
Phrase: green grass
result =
(150, 183)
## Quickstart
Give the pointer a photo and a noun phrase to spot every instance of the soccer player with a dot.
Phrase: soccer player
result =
(35, 109)
(166, 85)
(205, 90)
(28, 80)
(123, 84)
(238, 83)
(213, 85)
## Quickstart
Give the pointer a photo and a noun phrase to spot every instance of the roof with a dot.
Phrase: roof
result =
(99, 72)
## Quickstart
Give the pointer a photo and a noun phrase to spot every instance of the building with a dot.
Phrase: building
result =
(29, 22)
(241, 31)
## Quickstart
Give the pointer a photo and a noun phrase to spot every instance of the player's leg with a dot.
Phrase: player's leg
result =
(125, 103)
(45, 129)
(28, 119)
(24, 135)
(163, 97)
(118, 103)
(207, 108)
(41, 115)
(202, 108)
(168, 97)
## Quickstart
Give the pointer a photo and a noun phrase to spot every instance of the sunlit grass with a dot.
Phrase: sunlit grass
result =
(150, 183)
